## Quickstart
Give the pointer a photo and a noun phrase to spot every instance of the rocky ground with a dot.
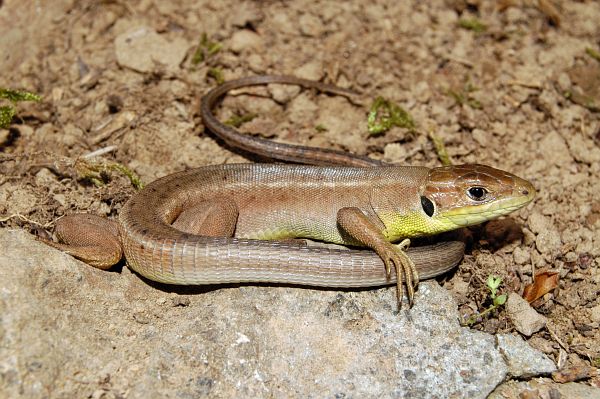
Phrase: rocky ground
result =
(513, 84)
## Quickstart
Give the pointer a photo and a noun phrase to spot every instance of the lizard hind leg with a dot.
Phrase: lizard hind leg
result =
(210, 218)
(90, 238)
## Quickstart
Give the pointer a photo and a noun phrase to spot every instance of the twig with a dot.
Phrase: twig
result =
(100, 151)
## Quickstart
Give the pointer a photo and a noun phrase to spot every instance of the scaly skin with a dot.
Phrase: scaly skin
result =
(211, 225)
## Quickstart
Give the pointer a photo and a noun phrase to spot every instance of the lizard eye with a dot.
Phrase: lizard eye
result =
(477, 193)
(428, 206)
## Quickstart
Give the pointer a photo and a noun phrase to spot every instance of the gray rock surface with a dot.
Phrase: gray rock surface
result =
(68, 330)
(523, 361)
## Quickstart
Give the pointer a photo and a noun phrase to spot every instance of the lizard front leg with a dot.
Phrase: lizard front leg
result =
(363, 229)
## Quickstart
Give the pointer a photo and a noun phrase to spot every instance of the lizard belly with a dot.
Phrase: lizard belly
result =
(286, 215)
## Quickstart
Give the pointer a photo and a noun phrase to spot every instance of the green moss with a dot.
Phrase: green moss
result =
(238, 120)
(320, 128)
(216, 74)
(14, 96)
(440, 149)
(98, 173)
(384, 114)
(472, 24)
(6, 114)
(464, 96)
(593, 53)
(206, 48)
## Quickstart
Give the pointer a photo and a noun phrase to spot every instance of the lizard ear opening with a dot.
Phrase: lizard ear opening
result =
(428, 206)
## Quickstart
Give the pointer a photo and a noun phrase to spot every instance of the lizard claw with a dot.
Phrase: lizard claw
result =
(406, 271)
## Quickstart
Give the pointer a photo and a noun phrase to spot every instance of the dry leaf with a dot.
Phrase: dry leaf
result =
(543, 283)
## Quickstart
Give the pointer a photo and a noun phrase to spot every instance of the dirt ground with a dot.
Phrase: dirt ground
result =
(514, 84)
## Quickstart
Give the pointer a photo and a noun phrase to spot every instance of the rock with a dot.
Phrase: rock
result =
(554, 149)
(526, 320)
(548, 242)
(246, 14)
(595, 314)
(522, 359)
(245, 40)
(583, 150)
(144, 50)
(573, 390)
(421, 89)
(312, 70)
(544, 388)
(538, 222)
(521, 256)
(395, 152)
(481, 137)
(311, 25)
(121, 334)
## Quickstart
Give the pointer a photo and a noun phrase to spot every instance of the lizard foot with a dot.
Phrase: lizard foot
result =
(406, 271)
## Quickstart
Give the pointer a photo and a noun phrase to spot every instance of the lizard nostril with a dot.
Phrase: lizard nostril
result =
(525, 192)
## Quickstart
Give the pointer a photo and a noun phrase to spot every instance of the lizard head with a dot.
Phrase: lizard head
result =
(463, 195)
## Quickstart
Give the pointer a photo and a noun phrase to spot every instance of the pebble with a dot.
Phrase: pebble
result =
(525, 319)
(595, 314)
(481, 137)
(311, 25)
(141, 49)
(521, 256)
(244, 40)
(538, 222)
(548, 242)
(312, 70)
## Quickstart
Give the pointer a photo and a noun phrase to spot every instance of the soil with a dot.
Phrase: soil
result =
(519, 92)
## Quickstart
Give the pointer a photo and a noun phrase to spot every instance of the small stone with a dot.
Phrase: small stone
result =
(395, 152)
(312, 70)
(574, 373)
(564, 82)
(526, 320)
(548, 242)
(422, 92)
(311, 25)
(499, 128)
(244, 40)
(179, 300)
(481, 137)
(61, 199)
(141, 49)
(583, 150)
(554, 149)
(246, 14)
(541, 344)
(573, 390)
(571, 257)
(538, 222)
(595, 314)
(283, 93)
(257, 63)
(44, 177)
(521, 256)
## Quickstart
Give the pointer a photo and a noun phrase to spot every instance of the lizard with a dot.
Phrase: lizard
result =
(233, 223)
